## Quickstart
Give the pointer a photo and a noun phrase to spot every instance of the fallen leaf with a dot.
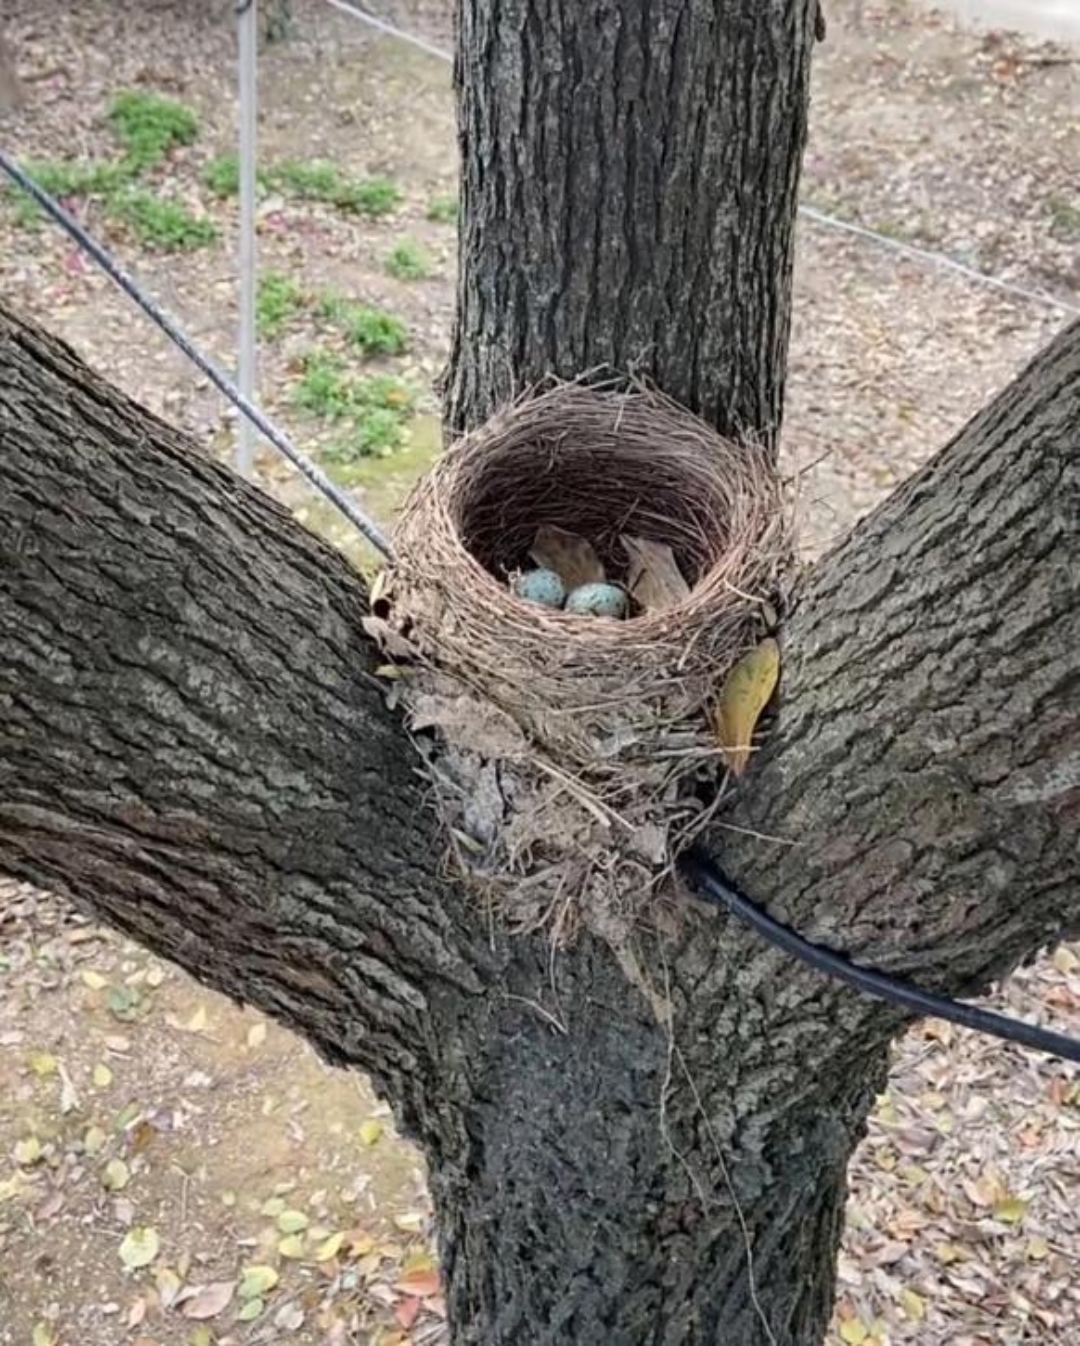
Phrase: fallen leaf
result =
(124, 1003)
(1065, 960)
(250, 1309)
(256, 1035)
(273, 1206)
(329, 1248)
(747, 690)
(43, 1063)
(208, 1300)
(117, 1175)
(571, 557)
(292, 1221)
(1010, 1209)
(419, 1281)
(370, 1131)
(406, 1312)
(155, 975)
(853, 1331)
(913, 1305)
(198, 1021)
(168, 1285)
(43, 1335)
(292, 1245)
(94, 1140)
(139, 1247)
(360, 1242)
(102, 1075)
(258, 1280)
(289, 1317)
(137, 1312)
(654, 577)
(28, 1152)
(202, 1336)
(93, 979)
(410, 1221)
(1037, 1248)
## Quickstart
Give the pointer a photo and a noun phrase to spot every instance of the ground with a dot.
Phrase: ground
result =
(145, 1119)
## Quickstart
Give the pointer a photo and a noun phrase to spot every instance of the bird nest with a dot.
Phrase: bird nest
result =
(573, 755)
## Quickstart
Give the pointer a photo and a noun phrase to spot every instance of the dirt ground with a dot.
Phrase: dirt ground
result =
(177, 1172)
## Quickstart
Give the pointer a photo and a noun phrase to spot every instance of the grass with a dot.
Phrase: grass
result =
(407, 260)
(371, 330)
(443, 209)
(65, 181)
(1064, 218)
(374, 409)
(149, 126)
(317, 181)
(277, 300)
(222, 176)
(163, 224)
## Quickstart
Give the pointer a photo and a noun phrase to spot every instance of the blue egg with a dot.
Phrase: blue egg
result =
(598, 600)
(540, 586)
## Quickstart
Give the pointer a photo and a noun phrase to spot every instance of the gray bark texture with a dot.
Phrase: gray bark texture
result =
(629, 177)
(192, 745)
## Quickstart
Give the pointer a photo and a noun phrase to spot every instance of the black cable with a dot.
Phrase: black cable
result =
(703, 873)
(179, 338)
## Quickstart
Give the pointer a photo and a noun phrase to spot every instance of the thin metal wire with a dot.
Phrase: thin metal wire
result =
(413, 39)
(925, 255)
(179, 338)
(938, 259)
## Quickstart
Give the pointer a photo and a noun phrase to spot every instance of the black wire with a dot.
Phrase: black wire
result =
(134, 290)
(711, 883)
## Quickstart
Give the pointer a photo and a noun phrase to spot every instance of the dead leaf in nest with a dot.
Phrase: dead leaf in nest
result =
(654, 577)
(388, 640)
(747, 690)
(571, 557)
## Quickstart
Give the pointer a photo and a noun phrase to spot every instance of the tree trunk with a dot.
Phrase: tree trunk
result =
(192, 745)
(629, 180)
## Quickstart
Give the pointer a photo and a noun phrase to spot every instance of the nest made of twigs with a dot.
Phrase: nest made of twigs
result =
(590, 739)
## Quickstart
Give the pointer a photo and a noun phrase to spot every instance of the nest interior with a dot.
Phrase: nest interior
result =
(589, 738)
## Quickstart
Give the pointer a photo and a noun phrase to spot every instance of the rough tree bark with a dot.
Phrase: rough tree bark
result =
(629, 176)
(191, 744)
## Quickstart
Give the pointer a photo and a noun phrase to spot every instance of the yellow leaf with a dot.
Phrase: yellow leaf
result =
(168, 1285)
(43, 1335)
(140, 1247)
(370, 1131)
(410, 1221)
(202, 1336)
(292, 1245)
(329, 1248)
(1065, 960)
(1037, 1248)
(747, 690)
(256, 1034)
(28, 1151)
(250, 1309)
(913, 1305)
(94, 980)
(117, 1175)
(258, 1280)
(1010, 1209)
(853, 1331)
(273, 1206)
(155, 975)
(292, 1221)
(102, 1075)
(197, 1022)
(43, 1063)
(94, 1140)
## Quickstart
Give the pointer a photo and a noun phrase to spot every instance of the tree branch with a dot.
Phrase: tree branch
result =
(926, 759)
(191, 740)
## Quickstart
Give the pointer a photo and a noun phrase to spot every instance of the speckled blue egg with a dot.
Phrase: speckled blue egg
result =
(540, 586)
(597, 600)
